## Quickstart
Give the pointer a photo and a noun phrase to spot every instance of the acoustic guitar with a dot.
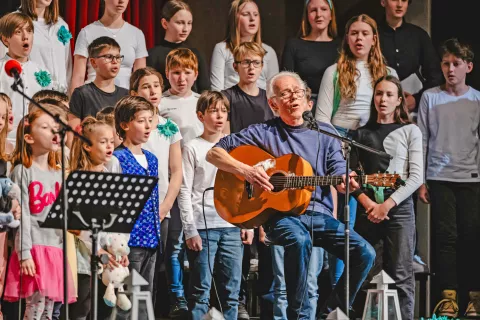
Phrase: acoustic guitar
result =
(239, 203)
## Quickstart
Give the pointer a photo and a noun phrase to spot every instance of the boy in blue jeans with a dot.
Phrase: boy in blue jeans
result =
(214, 239)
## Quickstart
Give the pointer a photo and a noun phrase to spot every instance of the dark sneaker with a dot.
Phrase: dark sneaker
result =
(179, 310)
(242, 312)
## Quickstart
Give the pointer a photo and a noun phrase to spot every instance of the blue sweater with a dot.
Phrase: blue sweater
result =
(278, 139)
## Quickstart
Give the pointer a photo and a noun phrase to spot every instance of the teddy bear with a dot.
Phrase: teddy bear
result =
(8, 192)
(117, 245)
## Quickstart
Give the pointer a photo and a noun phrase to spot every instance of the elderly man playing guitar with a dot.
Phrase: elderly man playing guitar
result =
(288, 134)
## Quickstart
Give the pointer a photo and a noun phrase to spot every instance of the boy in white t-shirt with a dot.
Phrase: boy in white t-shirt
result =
(202, 225)
(16, 30)
(179, 104)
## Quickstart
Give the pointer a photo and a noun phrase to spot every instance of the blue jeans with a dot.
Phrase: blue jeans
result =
(293, 233)
(226, 250)
(336, 265)
(174, 255)
(280, 288)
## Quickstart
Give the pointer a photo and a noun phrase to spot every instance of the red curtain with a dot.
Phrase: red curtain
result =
(144, 14)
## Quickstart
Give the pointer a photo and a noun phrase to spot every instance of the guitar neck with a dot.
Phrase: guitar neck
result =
(311, 181)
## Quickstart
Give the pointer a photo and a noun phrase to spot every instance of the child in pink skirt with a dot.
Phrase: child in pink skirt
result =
(37, 262)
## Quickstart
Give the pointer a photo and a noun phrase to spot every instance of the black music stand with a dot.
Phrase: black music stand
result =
(101, 201)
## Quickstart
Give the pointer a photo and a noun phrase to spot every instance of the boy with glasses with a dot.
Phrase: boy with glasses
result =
(87, 100)
(248, 103)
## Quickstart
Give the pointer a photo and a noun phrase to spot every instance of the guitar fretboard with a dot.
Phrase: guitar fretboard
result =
(303, 181)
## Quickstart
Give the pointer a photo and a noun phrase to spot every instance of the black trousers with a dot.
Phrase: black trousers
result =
(455, 215)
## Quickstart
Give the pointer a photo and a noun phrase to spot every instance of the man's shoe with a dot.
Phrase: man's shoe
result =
(448, 305)
(473, 308)
(242, 312)
(179, 309)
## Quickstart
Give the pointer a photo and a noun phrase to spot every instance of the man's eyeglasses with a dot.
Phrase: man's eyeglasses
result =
(247, 63)
(110, 57)
(287, 94)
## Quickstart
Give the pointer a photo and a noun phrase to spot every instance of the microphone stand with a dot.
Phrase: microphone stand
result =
(313, 125)
(64, 128)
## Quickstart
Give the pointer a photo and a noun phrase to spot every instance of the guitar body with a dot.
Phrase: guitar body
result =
(231, 197)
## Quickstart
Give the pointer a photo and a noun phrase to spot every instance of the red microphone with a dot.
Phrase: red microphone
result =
(13, 68)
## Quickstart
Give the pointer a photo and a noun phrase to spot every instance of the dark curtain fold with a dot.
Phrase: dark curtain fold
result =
(144, 14)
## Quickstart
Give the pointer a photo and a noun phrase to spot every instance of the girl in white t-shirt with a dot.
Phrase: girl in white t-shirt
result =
(111, 24)
(243, 26)
(164, 141)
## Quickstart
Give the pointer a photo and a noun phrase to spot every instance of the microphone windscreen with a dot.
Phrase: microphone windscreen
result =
(308, 116)
(13, 65)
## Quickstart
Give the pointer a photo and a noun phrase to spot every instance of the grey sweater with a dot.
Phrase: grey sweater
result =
(39, 189)
(450, 127)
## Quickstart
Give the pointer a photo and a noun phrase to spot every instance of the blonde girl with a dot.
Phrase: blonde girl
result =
(37, 262)
(243, 26)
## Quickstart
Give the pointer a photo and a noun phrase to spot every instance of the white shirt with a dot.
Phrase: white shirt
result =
(19, 104)
(198, 175)
(183, 111)
(450, 127)
(223, 76)
(352, 113)
(49, 53)
(132, 46)
(159, 145)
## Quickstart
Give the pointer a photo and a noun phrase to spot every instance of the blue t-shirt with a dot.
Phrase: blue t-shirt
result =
(278, 139)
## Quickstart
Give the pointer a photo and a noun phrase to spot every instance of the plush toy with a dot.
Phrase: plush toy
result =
(8, 192)
(117, 245)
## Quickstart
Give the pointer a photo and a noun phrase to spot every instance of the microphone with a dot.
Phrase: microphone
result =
(308, 117)
(13, 68)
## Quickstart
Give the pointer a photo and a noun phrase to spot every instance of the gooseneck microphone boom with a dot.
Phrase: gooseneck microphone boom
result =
(13, 68)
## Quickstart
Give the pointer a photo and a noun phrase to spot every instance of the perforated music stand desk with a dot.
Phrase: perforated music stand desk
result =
(101, 201)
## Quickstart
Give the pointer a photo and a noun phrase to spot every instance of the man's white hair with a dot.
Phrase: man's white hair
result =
(271, 82)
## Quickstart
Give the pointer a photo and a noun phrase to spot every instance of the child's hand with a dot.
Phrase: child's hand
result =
(27, 267)
(125, 262)
(247, 236)
(16, 209)
(112, 262)
(379, 212)
(423, 194)
(194, 243)
(163, 210)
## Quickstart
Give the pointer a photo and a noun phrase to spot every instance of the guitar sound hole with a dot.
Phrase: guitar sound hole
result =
(278, 181)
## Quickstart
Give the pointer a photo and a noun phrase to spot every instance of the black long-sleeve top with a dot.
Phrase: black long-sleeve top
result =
(156, 59)
(310, 59)
(408, 49)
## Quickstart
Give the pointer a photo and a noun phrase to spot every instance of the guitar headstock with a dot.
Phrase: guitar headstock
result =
(389, 180)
